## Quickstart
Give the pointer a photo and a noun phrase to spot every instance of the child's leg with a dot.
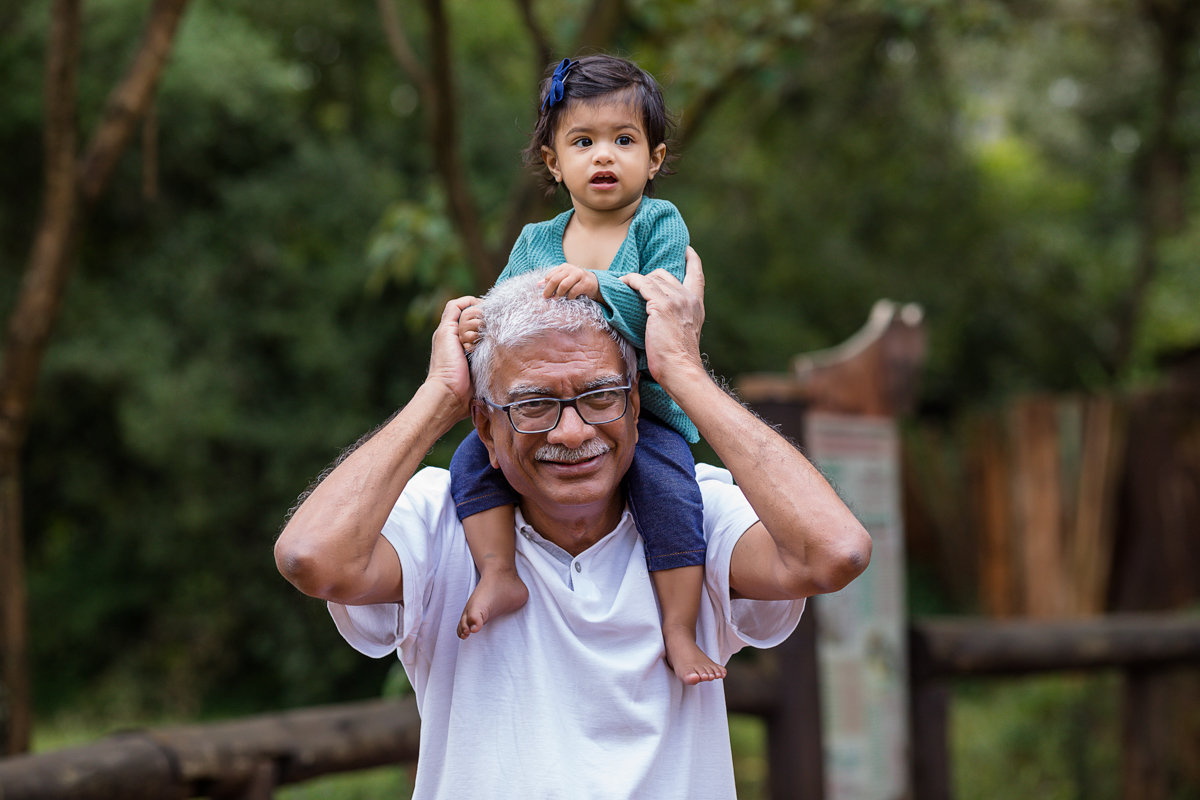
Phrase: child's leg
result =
(669, 512)
(679, 595)
(485, 502)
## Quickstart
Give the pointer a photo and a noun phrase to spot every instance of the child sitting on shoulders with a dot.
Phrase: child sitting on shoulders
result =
(601, 133)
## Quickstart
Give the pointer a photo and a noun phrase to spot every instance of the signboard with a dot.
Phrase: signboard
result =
(861, 646)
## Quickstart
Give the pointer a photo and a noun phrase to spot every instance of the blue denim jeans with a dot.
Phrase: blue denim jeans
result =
(661, 485)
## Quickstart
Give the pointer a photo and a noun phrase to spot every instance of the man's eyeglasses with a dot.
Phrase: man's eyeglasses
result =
(541, 414)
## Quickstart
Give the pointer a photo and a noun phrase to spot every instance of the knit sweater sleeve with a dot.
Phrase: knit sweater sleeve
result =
(657, 239)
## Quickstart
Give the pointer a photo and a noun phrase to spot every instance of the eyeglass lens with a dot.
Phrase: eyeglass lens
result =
(594, 408)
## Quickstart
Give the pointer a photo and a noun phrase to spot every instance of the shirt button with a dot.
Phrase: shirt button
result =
(577, 567)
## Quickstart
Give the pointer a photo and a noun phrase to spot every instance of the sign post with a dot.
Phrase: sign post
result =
(846, 401)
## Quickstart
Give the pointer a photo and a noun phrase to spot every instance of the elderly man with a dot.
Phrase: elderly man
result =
(570, 695)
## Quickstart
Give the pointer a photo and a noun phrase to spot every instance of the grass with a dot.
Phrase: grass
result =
(392, 783)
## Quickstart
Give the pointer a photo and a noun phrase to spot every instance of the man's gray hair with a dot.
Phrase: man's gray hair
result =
(514, 312)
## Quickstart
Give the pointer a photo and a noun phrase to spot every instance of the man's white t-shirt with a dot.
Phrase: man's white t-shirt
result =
(570, 696)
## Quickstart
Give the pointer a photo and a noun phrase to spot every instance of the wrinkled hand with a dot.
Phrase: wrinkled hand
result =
(570, 281)
(674, 317)
(470, 326)
(448, 370)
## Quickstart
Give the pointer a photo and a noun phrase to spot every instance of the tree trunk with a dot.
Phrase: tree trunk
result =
(70, 182)
(1162, 172)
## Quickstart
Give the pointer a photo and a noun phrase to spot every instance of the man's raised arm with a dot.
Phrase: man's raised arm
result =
(806, 541)
(331, 548)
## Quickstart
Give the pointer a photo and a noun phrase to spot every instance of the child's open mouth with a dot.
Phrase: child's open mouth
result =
(604, 178)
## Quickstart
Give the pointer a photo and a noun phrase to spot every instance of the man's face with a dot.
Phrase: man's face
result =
(575, 469)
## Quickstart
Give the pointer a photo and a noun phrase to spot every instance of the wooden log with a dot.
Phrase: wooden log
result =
(125, 767)
(230, 759)
(1038, 511)
(945, 647)
(1091, 536)
(987, 465)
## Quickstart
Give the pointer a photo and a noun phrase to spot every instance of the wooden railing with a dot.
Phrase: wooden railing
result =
(1142, 646)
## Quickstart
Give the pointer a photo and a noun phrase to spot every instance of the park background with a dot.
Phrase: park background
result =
(255, 283)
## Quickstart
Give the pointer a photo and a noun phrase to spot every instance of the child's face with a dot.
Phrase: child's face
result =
(602, 156)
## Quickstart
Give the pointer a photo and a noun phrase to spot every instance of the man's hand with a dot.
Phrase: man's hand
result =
(570, 281)
(674, 317)
(448, 369)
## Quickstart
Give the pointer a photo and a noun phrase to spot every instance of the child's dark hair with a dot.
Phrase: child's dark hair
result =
(592, 77)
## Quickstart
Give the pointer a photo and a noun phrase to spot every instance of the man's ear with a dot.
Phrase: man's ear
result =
(483, 426)
(550, 159)
(657, 156)
(635, 407)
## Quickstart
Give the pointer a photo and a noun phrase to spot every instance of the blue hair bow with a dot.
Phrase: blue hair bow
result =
(555, 95)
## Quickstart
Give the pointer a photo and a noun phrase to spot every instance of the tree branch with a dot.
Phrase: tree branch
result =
(545, 51)
(128, 100)
(444, 141)
(403, 52)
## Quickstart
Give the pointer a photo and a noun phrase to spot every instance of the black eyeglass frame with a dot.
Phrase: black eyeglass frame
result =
(565, 402)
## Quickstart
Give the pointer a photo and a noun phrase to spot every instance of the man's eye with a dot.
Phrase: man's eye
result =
(533, 408)
(603, 400)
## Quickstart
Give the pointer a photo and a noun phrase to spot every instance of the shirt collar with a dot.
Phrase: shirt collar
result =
(557, 553)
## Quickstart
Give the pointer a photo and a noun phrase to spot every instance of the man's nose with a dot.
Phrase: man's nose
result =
(571, 430)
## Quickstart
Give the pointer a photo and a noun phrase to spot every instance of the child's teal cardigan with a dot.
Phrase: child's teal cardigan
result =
(657, 238)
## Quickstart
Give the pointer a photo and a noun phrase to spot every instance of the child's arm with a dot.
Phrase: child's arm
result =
(661, 239)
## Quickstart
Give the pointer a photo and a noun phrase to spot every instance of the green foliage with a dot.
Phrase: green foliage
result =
(1050, 737)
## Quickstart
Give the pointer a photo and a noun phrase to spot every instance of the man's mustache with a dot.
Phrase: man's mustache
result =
(565, 455)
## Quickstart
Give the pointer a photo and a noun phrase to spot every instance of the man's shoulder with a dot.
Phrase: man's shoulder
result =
(727, 512)
(427, 494)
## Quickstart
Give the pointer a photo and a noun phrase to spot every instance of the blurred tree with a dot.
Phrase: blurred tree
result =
(71, 185)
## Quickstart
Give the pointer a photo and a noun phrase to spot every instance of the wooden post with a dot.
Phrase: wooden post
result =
(795, 767)
(930, 741)
(841, 403)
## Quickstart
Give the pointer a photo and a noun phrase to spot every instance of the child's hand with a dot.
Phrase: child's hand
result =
(570, 281)
(470, 326)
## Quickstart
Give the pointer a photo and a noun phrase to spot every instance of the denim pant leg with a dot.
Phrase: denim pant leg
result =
(474, 483)
(665, 498)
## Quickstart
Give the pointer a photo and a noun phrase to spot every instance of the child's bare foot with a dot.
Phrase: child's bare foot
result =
(499, 591)
(687, 659)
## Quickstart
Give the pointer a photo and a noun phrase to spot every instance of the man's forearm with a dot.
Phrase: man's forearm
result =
(328, 548)
(821, 545)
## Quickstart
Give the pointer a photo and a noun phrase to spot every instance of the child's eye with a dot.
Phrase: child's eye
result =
(624, 141)
(583, 141)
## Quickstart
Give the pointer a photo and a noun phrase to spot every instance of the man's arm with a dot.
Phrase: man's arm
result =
(806, 541)
(332, 547)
